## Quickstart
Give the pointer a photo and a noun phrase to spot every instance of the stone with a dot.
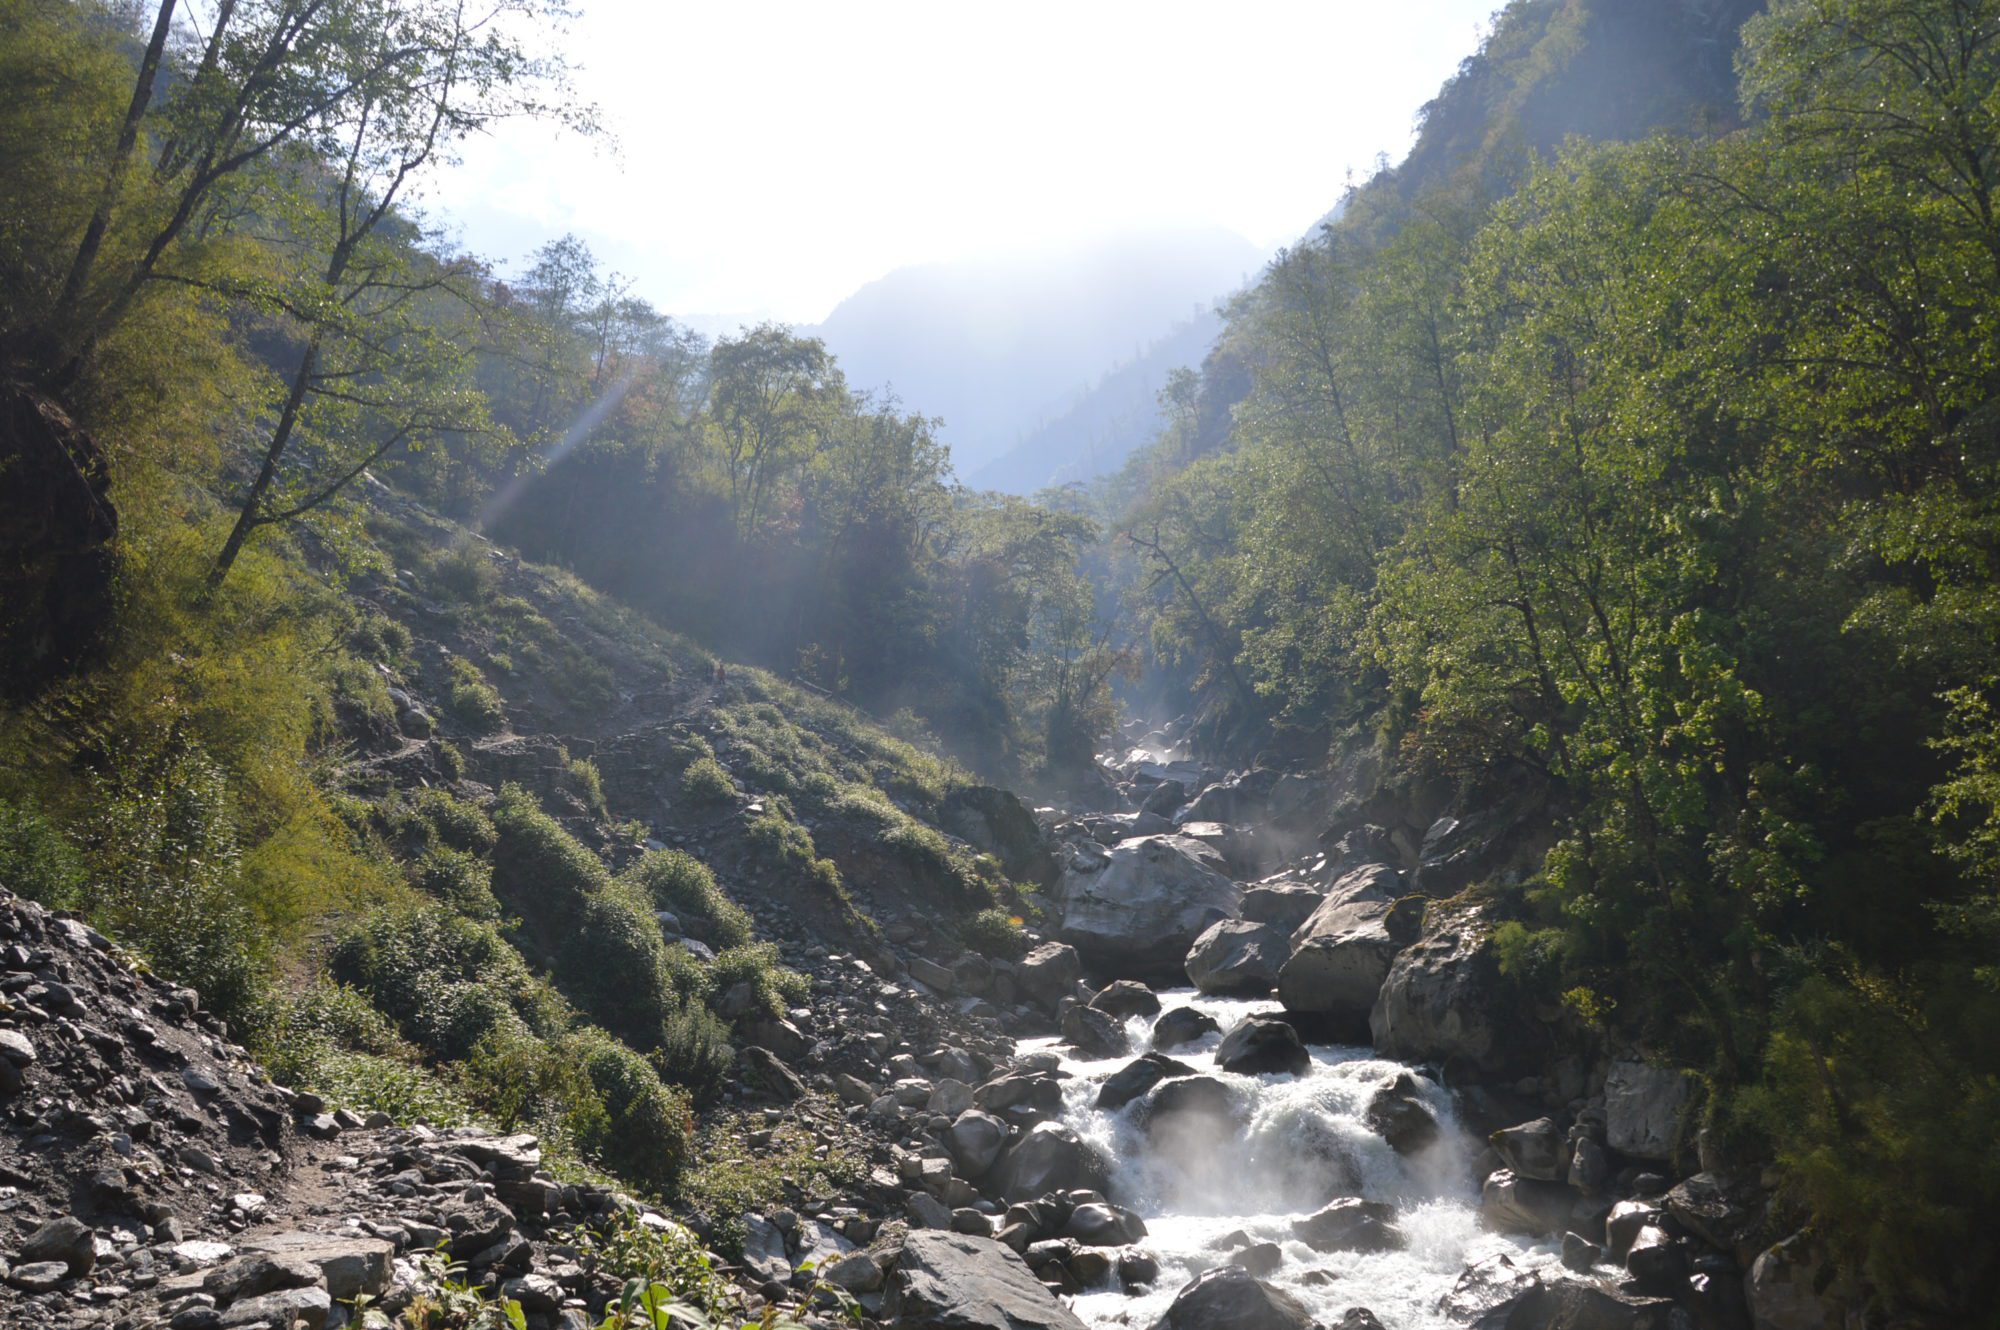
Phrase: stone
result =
(764, 1254)
(1511, 1204)
(950, 1097)
(1101, 1224)
(1624, 1222)
(1237, 956)
(1350, 1224)
(856, 1272)
(1535, 1149)
(289, 1308)
(1190, 1113)
(257, 1273)
(975, 1141)
(1399, 1114)
(1032, 1093)
(16, 1048)
(1589, 1167)
(932, 975)
(1283, 905)
(1580, 1253)
(66, 1239)
(1126, 998)
(1050, 1157)
(349, 1266)
(1259, 1258)
(38, 1276)
(1183, 1025)
(1444, 1000)
(1142, 910)
(1137, 1269)
(926, 1211)
(1358, 1318)
(1258, 1045)
(1135, 1078)
(1342, 952)
(763, 1069)
(1657, 1261)
(1707, 1208)
(535, 1293)
(1229, 1297)
(1094, 1033)
(476, 1225)
(953, 1281)
(1644, 1109)
(1049, 973)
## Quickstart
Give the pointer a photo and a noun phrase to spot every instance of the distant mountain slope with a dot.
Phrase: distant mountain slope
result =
(1102, 426)
(997, 345)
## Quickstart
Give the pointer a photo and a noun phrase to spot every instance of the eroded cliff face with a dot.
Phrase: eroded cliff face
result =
(56, 527)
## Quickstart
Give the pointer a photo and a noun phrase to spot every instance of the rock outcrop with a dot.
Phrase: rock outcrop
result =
(1140, 911)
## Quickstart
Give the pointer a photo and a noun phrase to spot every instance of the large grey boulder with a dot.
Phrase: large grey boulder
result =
(1257, 1045)
(1236, 956)
(1183, 1025)
(975, 1140)
(1511, 1204)
(1283, 905)
(1342, 953)
(1350, 1224)
(954, 1281)
(1050, 1157)
(1644, 1109)
(1444, 1000)
(1535, 1149)
(999, 823)
(1141, 911)
(1049, 973)
(1231, 1298)
(1137, 1077)
(1094, 1033)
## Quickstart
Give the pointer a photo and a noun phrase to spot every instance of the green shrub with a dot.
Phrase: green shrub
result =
(446, 980)
(37, 861)
(584, 781)
(647, 1122)
(519, 1081)
(706, 781)
(455, 822)
(682, 884)
(757, 965)
(465, 572)
(161, 857)
(694, 1052)
(458, 879)
(787, 847)
(329, 1039)
(376, 637)
(537, 866)
(475, 702)
(612, 963)
(994, 932)
(361, 696)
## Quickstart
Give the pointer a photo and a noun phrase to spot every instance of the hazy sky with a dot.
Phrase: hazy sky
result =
(770, 157)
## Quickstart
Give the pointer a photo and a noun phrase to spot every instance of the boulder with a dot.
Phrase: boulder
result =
(1144, 908)
(1182, 1025)
(1510, 1204)
(1711, 1211)
(1350, 1224)
(997, 822)
(975, 1141)
(954, 1281)
(1236, 956)
(1231, 1298)
(1657, 1261)
(1049, 973)
(1535, 1149)
(1399, 1114)
(1644, 1109)
(1342, 953)
(1492, 1293)
(1101, 1224)
(1125, 999)
(1260, 1044)
(1050, 1157)
(1135, 1078)
(65, 1239)
(1190, 1112)
(1094, 1033)
(1494, 839)
(1444, 1000)
(306, 1308)
(1283, 905)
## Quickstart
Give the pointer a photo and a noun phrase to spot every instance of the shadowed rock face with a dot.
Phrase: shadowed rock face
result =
(56, 528)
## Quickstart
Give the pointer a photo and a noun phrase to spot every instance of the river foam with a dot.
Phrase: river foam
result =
(1303, 1143)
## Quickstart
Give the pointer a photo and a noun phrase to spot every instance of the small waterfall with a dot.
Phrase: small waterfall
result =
(1302, 1144)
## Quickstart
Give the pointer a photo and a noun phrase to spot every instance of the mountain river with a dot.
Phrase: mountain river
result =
(1303, 1143)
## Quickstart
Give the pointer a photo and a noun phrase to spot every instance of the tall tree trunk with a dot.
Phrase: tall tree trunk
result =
(128, 138)
(248, 519)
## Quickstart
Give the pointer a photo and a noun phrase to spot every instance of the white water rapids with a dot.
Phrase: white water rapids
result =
(1304, 1144)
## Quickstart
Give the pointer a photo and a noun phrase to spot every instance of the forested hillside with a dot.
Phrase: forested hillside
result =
(1659, 476)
